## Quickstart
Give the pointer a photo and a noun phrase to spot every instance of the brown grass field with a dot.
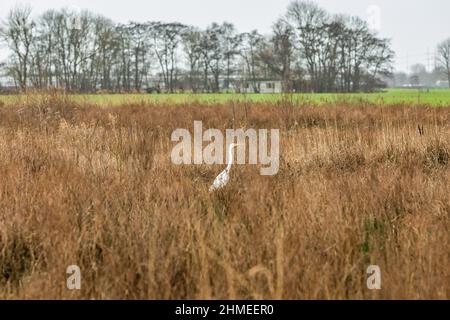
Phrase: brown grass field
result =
(95, 187)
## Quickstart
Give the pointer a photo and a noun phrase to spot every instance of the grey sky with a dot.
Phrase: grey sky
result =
(415, 26)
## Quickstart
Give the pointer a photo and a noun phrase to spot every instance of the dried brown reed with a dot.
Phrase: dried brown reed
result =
(95, 187)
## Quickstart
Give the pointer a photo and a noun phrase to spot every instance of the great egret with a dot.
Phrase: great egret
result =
(223, 178)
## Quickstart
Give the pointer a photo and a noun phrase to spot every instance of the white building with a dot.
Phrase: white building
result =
(262, 86)
(6, 83)
(442, 84)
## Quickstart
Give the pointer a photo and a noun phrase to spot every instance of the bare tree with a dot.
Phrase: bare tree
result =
(140, 44)
(209, 52)
(443, 57)
(166, 40)
(340, 52)
(230, 44)
(192, 47)
(18, 32)
(107, 59)
(250, 47)
(277, 54)
(307, 20)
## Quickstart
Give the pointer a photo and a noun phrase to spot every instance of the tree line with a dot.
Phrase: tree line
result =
(308, 49)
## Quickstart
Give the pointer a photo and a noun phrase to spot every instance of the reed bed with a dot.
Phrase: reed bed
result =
(358, 185)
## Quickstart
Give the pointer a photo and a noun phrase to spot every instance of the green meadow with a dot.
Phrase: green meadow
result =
(432, 97)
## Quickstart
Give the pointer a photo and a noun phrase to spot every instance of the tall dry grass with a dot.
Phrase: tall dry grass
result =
(95, 187)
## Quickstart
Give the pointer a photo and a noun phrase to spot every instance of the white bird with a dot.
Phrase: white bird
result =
(223, 178)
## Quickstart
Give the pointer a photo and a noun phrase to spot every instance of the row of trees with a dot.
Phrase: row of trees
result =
(419, 76)
(308, 49)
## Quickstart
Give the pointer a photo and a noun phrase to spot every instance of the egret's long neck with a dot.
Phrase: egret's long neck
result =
(230, 158)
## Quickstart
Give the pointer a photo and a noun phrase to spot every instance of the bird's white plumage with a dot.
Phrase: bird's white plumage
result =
(221, 181)
(223, 178)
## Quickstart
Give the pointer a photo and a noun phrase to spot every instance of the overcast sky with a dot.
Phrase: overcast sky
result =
(415, 26)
